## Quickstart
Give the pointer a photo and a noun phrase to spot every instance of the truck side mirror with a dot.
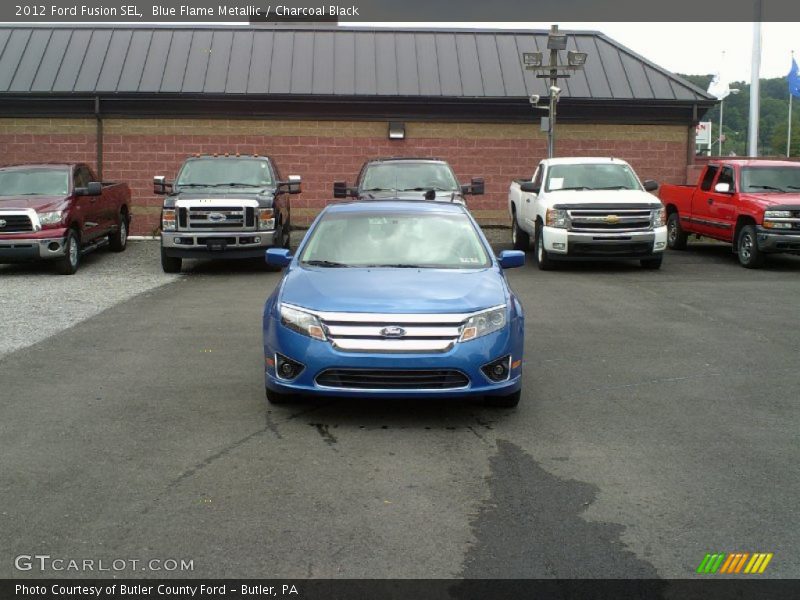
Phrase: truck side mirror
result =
(723, 188)
(530, 187)
(477, 186)
(650, 185)
(293, 184)
(160, 185)
(278, 257)
(340, 189)
(94, 188)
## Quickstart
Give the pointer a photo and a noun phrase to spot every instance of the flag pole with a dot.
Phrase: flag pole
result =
(752, 138)
(789, 127)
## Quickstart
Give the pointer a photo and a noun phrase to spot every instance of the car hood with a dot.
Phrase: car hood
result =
(772, 200)
(393, 290)
(38, 203)
(604, 197)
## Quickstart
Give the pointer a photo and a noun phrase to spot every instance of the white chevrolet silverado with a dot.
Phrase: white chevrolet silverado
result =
(587, 209)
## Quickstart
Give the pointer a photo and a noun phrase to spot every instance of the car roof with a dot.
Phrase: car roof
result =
(585, 160)
(39, 166)
(394, 205)
(227, 155)
(749, 162)
(407, 158)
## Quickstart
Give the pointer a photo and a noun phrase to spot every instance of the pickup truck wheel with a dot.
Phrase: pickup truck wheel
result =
(68, 264)
(519, 238)
(509, 401)
(542, 258)
(170, 264)
(750, 256)
(119, 239)
(676, 236)
(277, 398)
(652, 263)
(286, 235)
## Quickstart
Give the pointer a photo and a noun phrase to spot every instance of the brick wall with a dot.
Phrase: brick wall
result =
(321, 151)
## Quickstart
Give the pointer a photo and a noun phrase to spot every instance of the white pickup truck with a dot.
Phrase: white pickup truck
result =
(587, 209)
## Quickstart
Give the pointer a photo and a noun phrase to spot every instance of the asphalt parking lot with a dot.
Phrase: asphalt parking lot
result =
(658, 422)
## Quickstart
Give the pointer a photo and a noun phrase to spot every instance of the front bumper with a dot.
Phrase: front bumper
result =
(27, 248)
(467, 358)
(769, 240)
(563, 244)
(218, 244)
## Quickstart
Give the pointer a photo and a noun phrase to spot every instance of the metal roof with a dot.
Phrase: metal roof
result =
(307, 62)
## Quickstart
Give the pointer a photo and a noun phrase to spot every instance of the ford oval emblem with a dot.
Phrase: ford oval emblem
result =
(393, 332)
(216, 217)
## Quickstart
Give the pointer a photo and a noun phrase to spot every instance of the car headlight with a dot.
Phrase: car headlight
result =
(302, 322)
(168, 220)
(266, 218)
(659, 217)
(777, 214)
(50, 218)
(556, 217)
(484, 323)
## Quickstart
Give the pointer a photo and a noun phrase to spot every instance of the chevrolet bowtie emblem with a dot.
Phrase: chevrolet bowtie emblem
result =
(612, 219)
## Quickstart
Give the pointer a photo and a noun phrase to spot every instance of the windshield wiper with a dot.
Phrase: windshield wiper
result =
(613, 187)
(769, 187)
(425, 189)
(379, 189)
(577, 187)
(325, 263)
(793, 187)
(212, 185)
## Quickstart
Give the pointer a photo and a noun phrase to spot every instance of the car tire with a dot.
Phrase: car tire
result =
(69, 263)
(652, 263)
(676, 236)
(750, 257)
(278, 398)
(509, 401)
(118, 240)
(170, 264)
(519, 238)
(286, 235)
(543, 260)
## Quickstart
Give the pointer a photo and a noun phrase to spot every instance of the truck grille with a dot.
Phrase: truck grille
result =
(613, 220)
(369, 332)
(392, 379)
(15, 223)
(217, 217)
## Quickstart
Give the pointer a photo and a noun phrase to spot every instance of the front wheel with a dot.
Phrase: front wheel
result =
(750, 257)
(68, 264)
(170, 264)
(676, 236)
(119, 239)
(652, 263)
(543, 260)
(509, 401)
(519, 238)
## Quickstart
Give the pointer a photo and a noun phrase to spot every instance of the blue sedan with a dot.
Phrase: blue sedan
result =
(394, 299)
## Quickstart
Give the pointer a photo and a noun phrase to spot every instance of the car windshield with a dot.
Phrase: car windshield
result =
(34, 182)
(407, 176)
(770, 179)
(400, 240)
(219, 172)
(591, 176)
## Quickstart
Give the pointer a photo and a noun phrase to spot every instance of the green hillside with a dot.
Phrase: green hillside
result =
(774, 115)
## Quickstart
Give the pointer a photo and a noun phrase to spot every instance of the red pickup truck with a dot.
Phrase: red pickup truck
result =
(752, 204)
(59, 212)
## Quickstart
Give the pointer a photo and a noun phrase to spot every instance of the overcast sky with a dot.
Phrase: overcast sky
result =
(691, 48)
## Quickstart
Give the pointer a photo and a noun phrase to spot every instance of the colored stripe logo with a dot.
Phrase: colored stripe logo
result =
(735, 563)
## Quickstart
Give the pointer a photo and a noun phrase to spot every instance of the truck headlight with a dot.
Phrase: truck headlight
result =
(50, 218)
(484, 323)
(777, 214)
(556, 217)
(266, 218)
(302, 322)
(168, 220)
(659, 217)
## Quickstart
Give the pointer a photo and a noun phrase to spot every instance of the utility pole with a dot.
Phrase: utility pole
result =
(752, 133)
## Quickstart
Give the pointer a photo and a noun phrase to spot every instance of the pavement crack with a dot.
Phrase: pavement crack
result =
(214, 457)
(325, 434)
(272, 425)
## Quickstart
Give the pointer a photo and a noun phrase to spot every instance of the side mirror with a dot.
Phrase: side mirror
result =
(293, 184)
(160, 185)
(509, 259)
(340, 189)
(94, 188)
(723, 188)
(530, 187)
(278, 257)
(477, 186)
(650, 185)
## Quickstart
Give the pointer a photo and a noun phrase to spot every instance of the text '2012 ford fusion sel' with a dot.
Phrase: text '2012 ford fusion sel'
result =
(389, 299)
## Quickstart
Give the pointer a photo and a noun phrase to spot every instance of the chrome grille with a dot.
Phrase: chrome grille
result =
(15, 223)
(610, 220)
(217, 217)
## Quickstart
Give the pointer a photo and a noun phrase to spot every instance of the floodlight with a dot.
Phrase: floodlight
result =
(576, 59)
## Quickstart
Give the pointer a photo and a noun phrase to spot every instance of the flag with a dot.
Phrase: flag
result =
(719, 87)
(794, 79)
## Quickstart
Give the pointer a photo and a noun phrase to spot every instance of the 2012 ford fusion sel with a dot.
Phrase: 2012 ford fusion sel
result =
(394, 299)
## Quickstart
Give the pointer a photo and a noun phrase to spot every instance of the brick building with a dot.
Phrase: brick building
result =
(135, 101)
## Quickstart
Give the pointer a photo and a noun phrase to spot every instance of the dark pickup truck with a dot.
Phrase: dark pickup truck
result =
(408, 178)
(224, 206)
(58, 212)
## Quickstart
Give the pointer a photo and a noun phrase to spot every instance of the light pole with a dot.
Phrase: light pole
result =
(733, 91)
(553, 71)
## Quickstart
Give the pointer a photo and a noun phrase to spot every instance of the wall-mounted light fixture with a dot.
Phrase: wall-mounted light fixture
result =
(532, 59)
(397, 130)
(576, 59)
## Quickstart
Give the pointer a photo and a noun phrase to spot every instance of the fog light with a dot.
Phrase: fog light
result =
(286, 368)
(498, 370)
(53, 246)
(559, 245)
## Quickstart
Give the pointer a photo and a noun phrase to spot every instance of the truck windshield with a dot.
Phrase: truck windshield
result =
(399, 240)
(770, 179)
(591, 176)
(408, 176)
(219, 172)
(34, 182)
